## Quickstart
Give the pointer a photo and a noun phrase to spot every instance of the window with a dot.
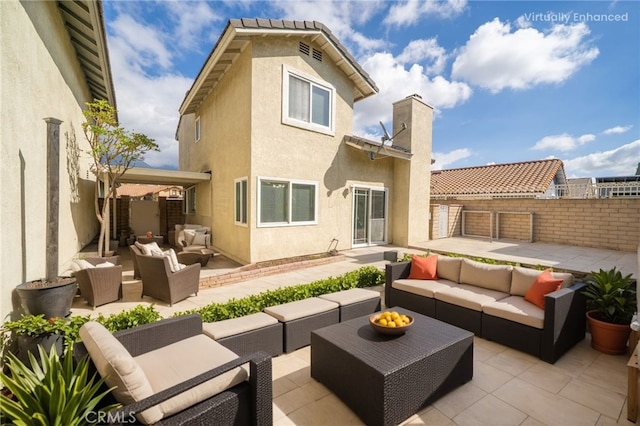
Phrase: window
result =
(241, 201)
(197, 128)
(189, 201)
(307, 103)
(286, 202)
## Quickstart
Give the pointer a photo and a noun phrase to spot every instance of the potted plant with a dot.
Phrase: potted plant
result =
(24, 335)
(611, 303)
(113, 151)
(48, 297)
(51, 391)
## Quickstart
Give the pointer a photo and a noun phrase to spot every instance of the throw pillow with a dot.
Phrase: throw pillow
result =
(84, 264)
(173, 260)
(105, 265)
(423, 268)
(189, 235)
(200, 239)
(544, 284)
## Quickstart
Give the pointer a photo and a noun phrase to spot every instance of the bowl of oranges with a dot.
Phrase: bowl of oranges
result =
(390, 322)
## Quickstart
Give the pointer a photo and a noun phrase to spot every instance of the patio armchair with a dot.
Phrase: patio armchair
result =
(100, 285)
(170, 373)
(159, 282)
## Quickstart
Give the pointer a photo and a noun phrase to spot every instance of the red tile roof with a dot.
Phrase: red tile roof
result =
(518, 179)
(141, 190)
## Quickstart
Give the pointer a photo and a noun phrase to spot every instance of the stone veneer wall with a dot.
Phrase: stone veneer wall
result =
(612, 223)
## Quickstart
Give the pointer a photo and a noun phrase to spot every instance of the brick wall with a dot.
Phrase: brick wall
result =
(612, 223)
(170, 214)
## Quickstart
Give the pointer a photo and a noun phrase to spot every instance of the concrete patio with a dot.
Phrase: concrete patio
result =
(584, 387)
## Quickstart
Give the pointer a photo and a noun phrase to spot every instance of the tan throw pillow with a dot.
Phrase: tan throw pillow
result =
(119, 368)
(189, 235)
(200, 239)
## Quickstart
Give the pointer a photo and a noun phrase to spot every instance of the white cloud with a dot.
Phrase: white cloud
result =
(395, 82)
(140, 45)
(422, 50)
(496, 58)
(563, 142)
(445, 159)
(617, 130)
(621, 161)
(413, 11)
(193, 21)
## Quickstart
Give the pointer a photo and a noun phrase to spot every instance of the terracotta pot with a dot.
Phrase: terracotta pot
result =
(608, 338)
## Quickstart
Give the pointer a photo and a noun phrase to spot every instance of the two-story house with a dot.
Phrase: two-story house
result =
(270, 116)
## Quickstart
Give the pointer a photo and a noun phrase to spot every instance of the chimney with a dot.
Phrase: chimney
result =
(412, 178)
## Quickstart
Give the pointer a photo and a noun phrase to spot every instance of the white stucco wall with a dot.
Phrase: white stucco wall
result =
(40, 78)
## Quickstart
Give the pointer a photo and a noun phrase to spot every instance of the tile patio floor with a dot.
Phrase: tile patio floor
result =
(584, 387)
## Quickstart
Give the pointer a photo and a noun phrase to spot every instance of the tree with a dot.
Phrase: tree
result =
(114, 150)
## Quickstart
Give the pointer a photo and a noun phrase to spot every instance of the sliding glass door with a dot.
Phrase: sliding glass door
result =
(369, 216)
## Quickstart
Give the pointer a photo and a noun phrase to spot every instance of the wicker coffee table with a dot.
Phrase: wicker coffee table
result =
(386, 379)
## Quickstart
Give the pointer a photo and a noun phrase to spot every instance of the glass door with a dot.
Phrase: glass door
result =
(369, 216)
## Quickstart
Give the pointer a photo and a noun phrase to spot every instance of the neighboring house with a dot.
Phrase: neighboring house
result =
(618, 186)
(528, 179)
(270, 116)
(54, 59)
(150, 192)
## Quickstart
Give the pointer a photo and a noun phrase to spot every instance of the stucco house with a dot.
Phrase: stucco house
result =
(54, 59)
(270, 116)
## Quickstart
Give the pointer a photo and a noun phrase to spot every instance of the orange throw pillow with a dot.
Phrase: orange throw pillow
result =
(423, 268)
(545, 283)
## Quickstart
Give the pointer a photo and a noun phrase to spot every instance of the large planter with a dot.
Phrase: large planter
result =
(28, 344)
(606, 337)
(50, 298)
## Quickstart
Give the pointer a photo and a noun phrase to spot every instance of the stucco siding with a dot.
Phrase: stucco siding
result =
(40, 78)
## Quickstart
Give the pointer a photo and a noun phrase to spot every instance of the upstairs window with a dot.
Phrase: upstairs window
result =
(307, 102)
(197, 129)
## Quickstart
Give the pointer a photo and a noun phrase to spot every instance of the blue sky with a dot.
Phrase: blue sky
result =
(509, 80)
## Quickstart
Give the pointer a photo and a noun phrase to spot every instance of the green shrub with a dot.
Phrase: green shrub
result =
(139, 315)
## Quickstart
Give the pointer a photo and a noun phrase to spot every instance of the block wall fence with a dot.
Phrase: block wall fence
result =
(612, 223)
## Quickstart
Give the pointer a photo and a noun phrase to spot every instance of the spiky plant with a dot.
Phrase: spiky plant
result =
(612, 295)
(51, 391)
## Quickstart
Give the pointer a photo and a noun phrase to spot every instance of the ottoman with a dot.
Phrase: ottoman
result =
(354, 302)
(248, 334)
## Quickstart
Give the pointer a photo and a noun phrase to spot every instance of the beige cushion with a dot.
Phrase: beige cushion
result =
(189, 235)
(230, 327)
(516, 309)
(469, 296)
(148, 249)
(105, 265)
(183, 360)
(353, 295)
(299, 309)
(523, 278)
(200, 238)
(494, 277)
(426, 288)
(83, 264)
(119, 368)
(448, 268)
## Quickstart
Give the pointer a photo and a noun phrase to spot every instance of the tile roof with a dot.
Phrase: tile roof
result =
(141, 190)
(235, 37)
(527, 178)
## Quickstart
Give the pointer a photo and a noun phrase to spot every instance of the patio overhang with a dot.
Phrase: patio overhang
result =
(377, 149)
(164, 177)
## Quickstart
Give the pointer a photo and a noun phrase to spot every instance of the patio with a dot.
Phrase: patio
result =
(510, 388)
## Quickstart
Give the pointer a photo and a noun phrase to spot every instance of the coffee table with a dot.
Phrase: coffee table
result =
(386, 379)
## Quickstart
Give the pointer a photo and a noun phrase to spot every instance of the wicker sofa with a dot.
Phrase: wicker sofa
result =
(173, 341)
(489, 301)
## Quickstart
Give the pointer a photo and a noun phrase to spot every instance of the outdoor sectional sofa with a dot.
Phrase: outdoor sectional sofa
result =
(489, 301)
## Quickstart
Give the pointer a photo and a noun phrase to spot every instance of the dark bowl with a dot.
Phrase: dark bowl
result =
(389, 330)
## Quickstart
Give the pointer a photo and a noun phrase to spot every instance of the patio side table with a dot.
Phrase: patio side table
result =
(386, 379)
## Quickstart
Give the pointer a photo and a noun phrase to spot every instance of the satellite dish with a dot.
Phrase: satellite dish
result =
(386, 139)
(386, 136)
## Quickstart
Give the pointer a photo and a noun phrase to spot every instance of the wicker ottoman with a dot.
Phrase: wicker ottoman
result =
(355, 302)
(192, 257)
(248, 334)
(386, 379)
(301, 317)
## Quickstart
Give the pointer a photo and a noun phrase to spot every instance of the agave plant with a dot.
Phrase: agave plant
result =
(612, 295)
(51, 391)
